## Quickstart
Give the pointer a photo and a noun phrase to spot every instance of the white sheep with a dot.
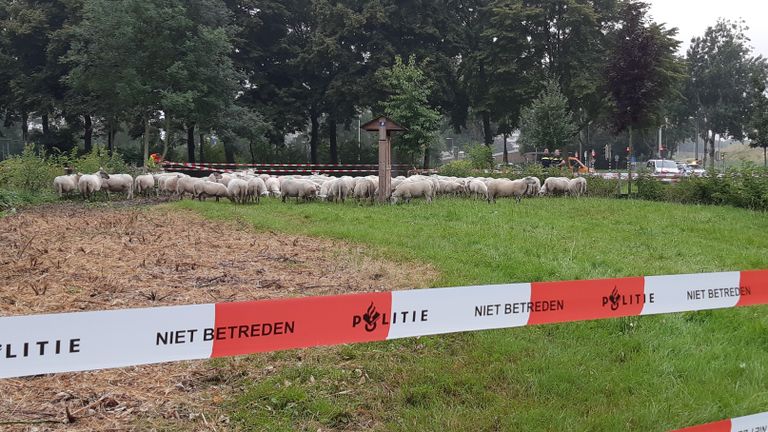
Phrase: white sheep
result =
(554, 186)
(414, 189)
(365, 189)
(478, 188)
(88, 184)
(256, 188)
(118, 183)
(298, 188)
(167, 183)
(186, 185)
(340, 189)
(238, 190)
(506, 188)
(577, 186)
(66, 184)
(273, 186)
(144, 184)
(534, 185)
(205, 189)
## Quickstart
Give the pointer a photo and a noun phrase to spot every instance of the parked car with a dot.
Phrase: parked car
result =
(663, 167)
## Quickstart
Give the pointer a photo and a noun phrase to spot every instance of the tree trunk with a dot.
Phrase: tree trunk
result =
(229, 150)
(202, 155)
(765, 157)
(332, 139)
(146, 141)
(426, 157)
(629, 164)
(24, 127)
(110, 138)
(506, 155)
(313, 137)
(46, 125)
(47, 141)
(250, 147)
(487, 133)
(191, 143)
(167, 142)
(88, 135)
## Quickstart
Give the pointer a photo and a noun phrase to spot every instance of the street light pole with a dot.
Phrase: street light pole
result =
(696, 146)
(359, 137)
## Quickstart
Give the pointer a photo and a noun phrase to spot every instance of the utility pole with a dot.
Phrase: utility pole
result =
(359, 137)
(696, 146)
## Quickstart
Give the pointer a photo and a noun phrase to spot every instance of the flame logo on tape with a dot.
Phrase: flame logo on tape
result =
(614, 298)
(370, 317)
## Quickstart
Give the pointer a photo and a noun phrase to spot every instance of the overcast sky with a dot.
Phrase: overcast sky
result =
(692, 17)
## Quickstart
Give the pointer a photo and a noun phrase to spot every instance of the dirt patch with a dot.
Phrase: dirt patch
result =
(74, 258)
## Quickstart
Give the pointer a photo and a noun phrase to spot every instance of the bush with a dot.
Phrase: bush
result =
(600, 187)
(746, 187)
(649, 188)
(458, 168)
(28, 178)
(99, 158)
(29, 171)
(481, 156)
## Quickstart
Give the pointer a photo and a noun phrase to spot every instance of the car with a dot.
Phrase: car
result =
(662, 167)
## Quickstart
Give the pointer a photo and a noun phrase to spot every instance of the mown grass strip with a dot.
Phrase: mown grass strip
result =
(644, 373)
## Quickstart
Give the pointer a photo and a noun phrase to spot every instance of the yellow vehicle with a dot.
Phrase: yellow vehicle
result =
(576, 166)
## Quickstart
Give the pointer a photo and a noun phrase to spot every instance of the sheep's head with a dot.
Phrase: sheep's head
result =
(103, 175)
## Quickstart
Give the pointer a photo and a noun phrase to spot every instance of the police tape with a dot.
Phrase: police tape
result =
(280, 165)
(195, 167)
(750, 423)
(66, 342)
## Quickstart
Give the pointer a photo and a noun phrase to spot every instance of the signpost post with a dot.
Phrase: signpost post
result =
(384, 127)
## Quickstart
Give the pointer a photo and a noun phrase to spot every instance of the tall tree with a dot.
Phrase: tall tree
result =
(548, 123)
(758, 124)
(474, 68)
(183, 68)
(408, 104)
(721, 67)
(642, 68)
(36, 86)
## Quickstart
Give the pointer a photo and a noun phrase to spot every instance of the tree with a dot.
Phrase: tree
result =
(408, 105)
(547, 123)
(642, 69)
(36, 71)
(758, 124)
(184, 68)
(721, 69)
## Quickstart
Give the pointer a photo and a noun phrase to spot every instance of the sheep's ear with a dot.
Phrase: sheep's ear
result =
(104, 175)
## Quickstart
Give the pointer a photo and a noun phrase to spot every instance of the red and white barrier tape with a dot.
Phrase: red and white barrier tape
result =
(37, 344)
(271, 171)
(750, 423)
(278, 165)
(183, 167)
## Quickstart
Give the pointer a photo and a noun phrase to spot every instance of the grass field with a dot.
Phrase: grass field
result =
(643, 374)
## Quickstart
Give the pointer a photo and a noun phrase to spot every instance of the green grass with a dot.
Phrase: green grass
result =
(11, 199)
(642, 373)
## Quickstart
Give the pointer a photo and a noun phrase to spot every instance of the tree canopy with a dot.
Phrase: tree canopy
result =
(302, 73)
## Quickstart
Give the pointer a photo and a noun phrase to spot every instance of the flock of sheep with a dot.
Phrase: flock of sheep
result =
(247, 186)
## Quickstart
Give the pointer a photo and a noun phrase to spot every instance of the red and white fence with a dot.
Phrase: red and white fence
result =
(283, 168)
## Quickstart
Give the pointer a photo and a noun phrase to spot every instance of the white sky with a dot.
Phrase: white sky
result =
(692, 17)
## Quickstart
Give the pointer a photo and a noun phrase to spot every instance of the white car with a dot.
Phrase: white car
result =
(663, 167)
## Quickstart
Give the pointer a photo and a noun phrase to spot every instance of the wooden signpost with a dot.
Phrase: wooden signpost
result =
(385, 127)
